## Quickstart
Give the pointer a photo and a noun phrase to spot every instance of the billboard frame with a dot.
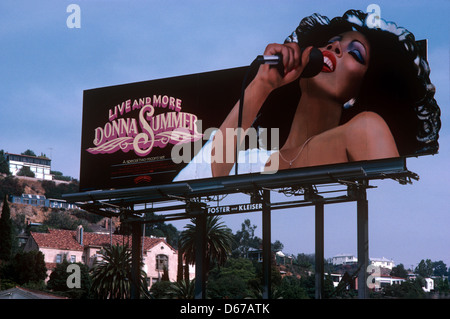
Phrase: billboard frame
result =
(186, 197)
(393, 168)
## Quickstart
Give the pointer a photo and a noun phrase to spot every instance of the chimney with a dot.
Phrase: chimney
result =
(80, 234)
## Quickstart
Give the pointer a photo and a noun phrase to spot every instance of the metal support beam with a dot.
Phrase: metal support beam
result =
(367, 170)
(363, 242)
(319, 254)
(200, 256)
(136, 259)
(267, 249)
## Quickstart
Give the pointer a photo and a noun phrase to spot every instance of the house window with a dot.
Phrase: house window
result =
(58, 258)
(73, 259)
(162, 261)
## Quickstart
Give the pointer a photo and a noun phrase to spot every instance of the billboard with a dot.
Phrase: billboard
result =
(129, 130)
(372, 100)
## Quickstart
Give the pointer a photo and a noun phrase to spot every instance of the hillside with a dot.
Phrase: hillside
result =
(24, 214)
(31, 185)
(18, 185)
(59, 218)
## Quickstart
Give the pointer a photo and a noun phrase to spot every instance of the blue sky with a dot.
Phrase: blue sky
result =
(45, 66)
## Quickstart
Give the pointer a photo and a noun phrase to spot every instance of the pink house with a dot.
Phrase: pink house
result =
(80, 246)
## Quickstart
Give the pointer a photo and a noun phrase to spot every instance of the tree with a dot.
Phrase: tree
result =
(184, 289)
(5, 231)
(424, 269)
(165, 275)
(291, 288)
(219, 239)
(180, 270)
(59, 219)
(306, 261)
(442, 285)
(4, 167)
(25, 171)
(161, 290)
(29, 153)
(277, 246)
(161, 229)
(439, 268)
(399, 271)
(26, 267)
(59, 175)
(407, 290)
(308, 283)
(59, 276)
(10, 186)
(52, 190)
(232, 280)
(246, 239)
(111, 276)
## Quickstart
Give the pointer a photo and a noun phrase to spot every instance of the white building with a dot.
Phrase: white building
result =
(429, 285)
(40, 166)
(85, 247)
(347, 259)
(382, 262)
(344, 259)
(380, 282)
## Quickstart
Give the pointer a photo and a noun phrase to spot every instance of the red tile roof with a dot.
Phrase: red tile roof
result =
(57, 238)
(66, 239)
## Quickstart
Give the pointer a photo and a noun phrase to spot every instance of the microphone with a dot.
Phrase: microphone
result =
(269, 59)
(313, 67)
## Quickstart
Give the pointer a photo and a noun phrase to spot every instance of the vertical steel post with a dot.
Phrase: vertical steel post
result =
(136, 243)
(200, 255)
(363, 241)
(267, 249)
(319, 253)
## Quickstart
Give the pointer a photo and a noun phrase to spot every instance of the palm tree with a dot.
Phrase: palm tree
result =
(111, 276)
(219, 239)
(184, 289)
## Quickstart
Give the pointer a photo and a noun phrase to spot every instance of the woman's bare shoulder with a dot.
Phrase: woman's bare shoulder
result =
(366, 119)
(368, 136)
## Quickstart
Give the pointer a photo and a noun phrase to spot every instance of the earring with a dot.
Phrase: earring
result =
(349, 103)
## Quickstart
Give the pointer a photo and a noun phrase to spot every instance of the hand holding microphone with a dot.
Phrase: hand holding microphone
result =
(312, 68)
(292, 61)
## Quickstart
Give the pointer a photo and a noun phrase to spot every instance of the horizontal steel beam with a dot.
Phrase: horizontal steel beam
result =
(354, 171)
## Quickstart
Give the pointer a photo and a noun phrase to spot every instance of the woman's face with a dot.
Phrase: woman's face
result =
(346, 58)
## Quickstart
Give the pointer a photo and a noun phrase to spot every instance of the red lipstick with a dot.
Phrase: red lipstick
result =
(329, 62)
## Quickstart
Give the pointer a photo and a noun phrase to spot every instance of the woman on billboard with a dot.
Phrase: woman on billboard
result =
(373, 98)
